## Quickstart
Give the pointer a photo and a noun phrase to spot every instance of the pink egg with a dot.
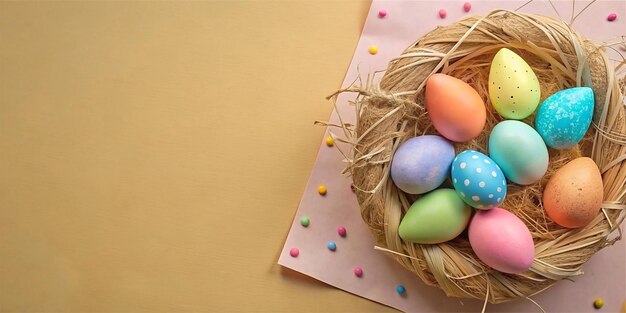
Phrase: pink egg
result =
(502, 241)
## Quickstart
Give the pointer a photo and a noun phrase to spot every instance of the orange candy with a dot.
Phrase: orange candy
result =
(455, 108)
(322, 190)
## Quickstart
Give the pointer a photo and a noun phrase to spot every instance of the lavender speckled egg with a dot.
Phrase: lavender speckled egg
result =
(422, 164)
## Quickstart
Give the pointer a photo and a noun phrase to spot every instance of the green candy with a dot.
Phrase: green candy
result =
(436, 217)
(305, 221)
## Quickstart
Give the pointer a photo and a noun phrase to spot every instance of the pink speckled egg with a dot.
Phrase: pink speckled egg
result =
(502, 241)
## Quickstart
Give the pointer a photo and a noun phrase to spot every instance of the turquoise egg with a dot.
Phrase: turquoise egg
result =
(519, 150)
(563, 118)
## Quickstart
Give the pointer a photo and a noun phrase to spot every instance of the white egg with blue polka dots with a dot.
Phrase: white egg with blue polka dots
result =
(478, 180)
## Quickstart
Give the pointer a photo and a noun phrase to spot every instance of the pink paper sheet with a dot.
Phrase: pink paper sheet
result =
(605, 274)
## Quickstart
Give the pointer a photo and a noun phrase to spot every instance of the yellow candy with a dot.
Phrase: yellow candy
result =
(599, 303)
(373, 49)
(330, 141)
(321, 189)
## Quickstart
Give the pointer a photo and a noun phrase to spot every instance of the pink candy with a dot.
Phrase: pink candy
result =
(443, 13)
(294, 252)
(358, 272)
(612, 17)
(467, 6)
(382, 13)
(341, 231)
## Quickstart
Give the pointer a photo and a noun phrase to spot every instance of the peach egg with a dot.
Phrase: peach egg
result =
(455, 108)
(573, 196)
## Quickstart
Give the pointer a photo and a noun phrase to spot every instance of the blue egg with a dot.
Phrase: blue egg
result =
(478, 180)
(421, 164)
(563, 118)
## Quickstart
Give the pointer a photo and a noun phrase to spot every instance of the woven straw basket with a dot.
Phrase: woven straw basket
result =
(392, 111)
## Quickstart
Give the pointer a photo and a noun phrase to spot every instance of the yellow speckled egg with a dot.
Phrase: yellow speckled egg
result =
(513, 86)
(573, 196)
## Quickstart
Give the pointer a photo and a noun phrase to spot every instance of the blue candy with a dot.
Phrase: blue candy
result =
(332, 246)
(400, 289)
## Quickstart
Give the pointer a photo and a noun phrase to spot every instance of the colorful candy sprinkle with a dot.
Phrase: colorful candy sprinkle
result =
(322, 190)
(443, 13)
(373, 49)
(294, 252)
(599, 303)
(330, 141)
(305, 221)
(467, 6)
(382, 13)
(331, 245)
(342, 231)
(400, 289)
(352, 188)
(358, 272)
(612, 17)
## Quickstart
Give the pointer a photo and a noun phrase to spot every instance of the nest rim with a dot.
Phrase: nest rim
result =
(390, 112)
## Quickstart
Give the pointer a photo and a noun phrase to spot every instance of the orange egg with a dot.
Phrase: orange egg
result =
(455, 108)
(573, 196)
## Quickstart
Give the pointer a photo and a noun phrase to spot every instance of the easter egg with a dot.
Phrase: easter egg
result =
(421, 164)
(563, 118)
(573, 195)
(478, 180)
(513, 86)
(502, 241)
(520, 152)
(456, 110)
(436, 217)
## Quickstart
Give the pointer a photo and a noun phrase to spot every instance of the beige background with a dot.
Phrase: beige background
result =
(152, 155)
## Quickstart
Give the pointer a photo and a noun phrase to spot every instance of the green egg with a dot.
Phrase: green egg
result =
(436, 217)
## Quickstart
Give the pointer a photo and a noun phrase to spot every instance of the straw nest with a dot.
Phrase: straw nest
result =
(392, 111)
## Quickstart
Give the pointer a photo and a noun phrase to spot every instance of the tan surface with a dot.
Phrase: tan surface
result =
(152, 154)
